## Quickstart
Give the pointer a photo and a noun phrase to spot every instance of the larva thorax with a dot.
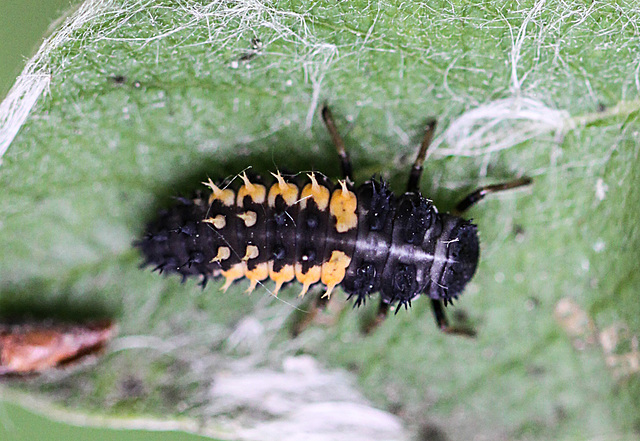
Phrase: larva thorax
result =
(406, 248)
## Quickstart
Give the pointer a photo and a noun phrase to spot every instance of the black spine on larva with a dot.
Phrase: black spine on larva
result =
(178, 242)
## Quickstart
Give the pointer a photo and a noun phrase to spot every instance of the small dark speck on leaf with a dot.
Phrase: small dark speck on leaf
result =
(353, 367)
(535, 370)
(118, 79)
(560, 413)
(172, 394)
(248, 56)
(459, 315)
(256, 44)
(131, 387)
(395, 408)
(431, 432)
(532, 303)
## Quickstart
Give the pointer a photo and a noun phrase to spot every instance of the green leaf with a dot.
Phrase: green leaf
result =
(145, 99)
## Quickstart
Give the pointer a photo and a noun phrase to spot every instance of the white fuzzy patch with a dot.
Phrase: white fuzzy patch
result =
(36, 76)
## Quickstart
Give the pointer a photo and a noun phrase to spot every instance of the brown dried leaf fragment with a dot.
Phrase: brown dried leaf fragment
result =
(36, 347)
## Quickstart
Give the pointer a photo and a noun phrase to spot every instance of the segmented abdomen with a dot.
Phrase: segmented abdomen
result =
(364, 239)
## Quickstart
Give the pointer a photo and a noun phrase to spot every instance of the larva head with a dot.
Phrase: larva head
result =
(461, 250)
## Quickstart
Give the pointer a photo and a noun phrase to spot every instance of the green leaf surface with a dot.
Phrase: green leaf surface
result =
(146, 99)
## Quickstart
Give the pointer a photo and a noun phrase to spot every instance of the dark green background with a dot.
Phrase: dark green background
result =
(22, 25)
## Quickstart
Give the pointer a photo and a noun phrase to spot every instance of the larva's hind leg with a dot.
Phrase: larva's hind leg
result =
(443, 324)
(440, 315)
(381, 315)
(302, 319)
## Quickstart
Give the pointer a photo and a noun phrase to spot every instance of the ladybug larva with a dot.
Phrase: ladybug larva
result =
(363, 239)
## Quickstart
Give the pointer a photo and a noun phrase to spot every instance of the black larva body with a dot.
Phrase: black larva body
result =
(401, 246)
(364, 239)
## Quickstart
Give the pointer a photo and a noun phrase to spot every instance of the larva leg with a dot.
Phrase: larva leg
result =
(481, 192)
(416, 170)
(443, 324)
(303, 320)
(347, 169)
(381, 315)
(440, 315)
